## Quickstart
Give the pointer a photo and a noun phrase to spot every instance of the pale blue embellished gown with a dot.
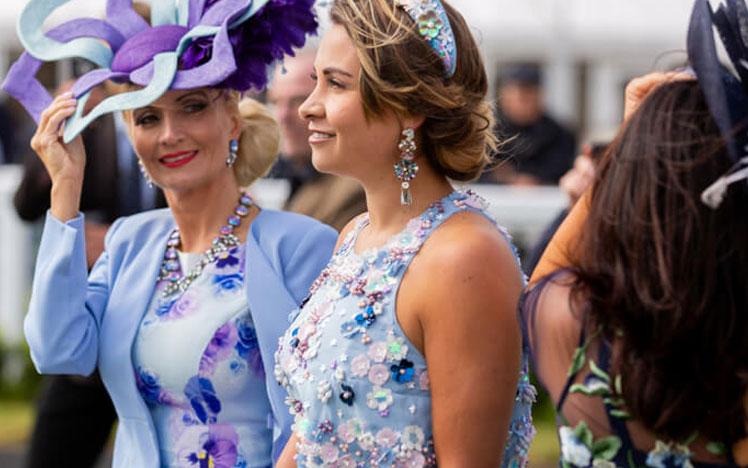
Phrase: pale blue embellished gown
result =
(198, 367)
(357, 386)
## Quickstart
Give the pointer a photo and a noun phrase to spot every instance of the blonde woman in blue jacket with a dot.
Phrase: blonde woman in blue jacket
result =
(182, 312)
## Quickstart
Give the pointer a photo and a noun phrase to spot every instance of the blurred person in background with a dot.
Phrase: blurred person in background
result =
(75, 414)
(113, 183)
(16, 129)
(332, 199)
(539, 150)
(6, 134)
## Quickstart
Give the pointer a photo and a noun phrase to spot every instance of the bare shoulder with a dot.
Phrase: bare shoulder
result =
(469, 244)
(469, 260)
(553, 327)
(555, 302)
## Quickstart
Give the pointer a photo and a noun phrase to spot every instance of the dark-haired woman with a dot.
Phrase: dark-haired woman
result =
(639, 339)
(425, 279)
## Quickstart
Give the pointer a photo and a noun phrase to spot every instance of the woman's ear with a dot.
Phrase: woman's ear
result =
(412, 121)
(237, 123)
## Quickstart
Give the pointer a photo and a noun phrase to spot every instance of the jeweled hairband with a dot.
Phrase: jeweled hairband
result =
(433, 26)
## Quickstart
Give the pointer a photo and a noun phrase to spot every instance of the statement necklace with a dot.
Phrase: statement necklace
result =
(171, 270)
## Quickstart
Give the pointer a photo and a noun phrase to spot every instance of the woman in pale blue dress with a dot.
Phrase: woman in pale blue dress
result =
(182, 312)
(408, 352)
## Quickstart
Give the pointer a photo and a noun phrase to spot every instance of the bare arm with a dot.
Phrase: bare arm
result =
(560, 250)
(465, 290)
(288, 456)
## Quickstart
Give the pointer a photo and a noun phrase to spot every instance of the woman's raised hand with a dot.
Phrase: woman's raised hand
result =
(65, 163)
(639, 88)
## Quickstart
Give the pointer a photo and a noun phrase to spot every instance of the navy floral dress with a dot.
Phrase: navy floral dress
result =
(592, 420)
(359, 389)
(198, 367)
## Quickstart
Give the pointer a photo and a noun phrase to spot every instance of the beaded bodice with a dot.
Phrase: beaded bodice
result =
(358, 388)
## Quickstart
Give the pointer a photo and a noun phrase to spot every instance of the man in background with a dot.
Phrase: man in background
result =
(539, 150)
(331, 199)
(74, 414)
(13, 130)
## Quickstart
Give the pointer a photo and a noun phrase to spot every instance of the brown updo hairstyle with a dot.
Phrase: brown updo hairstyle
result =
(400, 72)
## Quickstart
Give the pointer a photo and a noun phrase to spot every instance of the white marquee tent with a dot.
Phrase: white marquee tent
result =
(614, 39)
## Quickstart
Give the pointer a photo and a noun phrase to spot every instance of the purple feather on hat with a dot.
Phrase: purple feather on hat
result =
(278, 28)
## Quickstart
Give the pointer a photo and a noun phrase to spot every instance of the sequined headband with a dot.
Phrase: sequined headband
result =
(433, 26)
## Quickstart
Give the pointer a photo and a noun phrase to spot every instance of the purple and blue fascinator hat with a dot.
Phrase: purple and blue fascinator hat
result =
(726, 92)
(188, 44)
(432, 24)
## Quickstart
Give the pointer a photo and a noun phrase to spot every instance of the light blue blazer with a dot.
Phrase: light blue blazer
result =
(77, 322)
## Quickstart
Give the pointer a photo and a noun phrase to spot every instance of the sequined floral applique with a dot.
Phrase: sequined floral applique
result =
(358, 389)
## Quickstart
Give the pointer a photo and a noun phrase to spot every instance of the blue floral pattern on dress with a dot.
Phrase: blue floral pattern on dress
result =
(358, 389)
(199, 370)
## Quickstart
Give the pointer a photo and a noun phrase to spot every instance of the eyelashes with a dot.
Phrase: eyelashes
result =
(332, 82)
(190, 108)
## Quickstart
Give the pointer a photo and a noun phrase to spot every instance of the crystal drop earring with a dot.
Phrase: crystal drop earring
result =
(146, 176)
(406, 169)
(233, 152)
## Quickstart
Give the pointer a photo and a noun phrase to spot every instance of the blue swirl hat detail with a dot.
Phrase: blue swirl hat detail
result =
(189, 44)
(433, 26)
(726, 93)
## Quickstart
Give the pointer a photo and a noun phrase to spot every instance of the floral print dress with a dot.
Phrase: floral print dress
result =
(199, 370)
(589, 376)
(357, 386)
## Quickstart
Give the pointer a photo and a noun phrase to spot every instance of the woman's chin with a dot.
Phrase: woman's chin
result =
(324, 161)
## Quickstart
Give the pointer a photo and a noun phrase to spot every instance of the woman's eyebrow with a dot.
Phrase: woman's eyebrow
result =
(334, 70)
(191, 94)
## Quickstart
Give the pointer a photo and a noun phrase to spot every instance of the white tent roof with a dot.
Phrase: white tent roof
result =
(586, 24)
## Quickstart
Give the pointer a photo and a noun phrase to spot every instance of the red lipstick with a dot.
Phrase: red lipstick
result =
(178, 159)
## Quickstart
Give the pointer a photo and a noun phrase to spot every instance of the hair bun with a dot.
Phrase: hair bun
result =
(258, 143)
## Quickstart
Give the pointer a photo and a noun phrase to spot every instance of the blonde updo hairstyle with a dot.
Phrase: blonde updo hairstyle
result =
(400, 72)
(259, 140)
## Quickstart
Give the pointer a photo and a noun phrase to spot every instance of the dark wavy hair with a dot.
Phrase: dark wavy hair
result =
(664, 276)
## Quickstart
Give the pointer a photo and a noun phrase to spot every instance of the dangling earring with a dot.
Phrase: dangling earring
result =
(233, 152)
(406, 169)
(146, 176)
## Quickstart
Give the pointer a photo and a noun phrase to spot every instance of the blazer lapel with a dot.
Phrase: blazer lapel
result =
(270, 304)
(131, 293)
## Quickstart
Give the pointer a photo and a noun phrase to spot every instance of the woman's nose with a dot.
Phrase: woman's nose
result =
(171, 132)
(311, 108)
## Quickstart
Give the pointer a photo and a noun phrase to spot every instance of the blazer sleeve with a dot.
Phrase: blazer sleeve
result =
(308, 259)
(66, 307)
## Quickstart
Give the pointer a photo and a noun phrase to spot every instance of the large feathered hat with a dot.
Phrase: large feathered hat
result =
(188, 44)
(726, 91)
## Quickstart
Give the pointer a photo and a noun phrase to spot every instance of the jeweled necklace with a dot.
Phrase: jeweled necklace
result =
(171, 271)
